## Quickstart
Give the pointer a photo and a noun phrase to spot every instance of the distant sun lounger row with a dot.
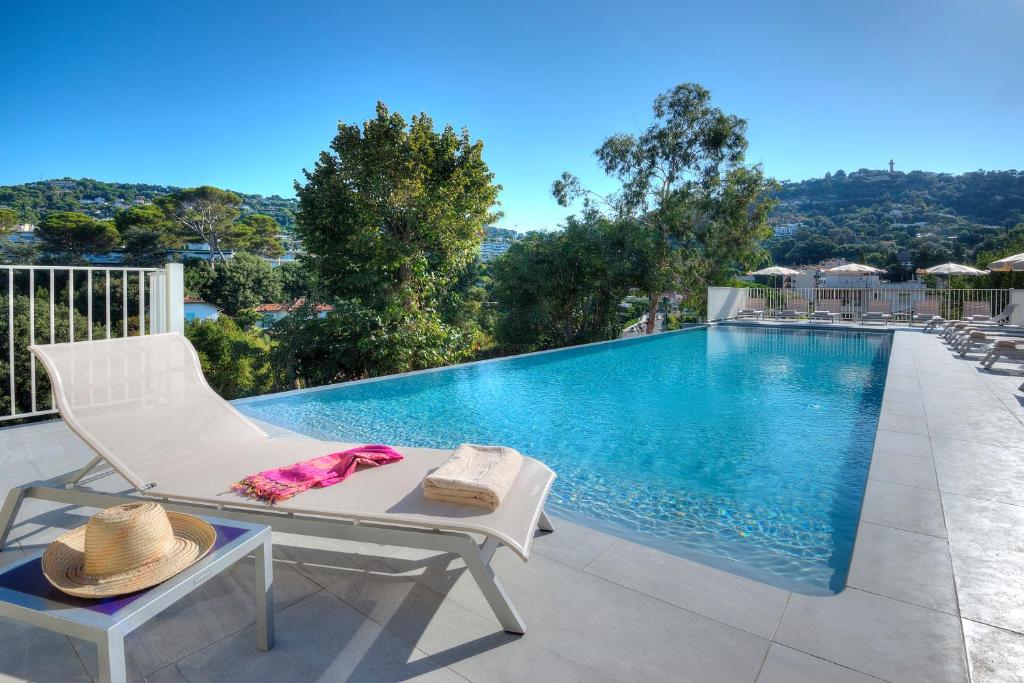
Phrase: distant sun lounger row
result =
(878, 311)
(994, 337)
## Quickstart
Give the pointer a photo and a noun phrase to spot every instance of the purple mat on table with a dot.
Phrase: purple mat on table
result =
(28, 580)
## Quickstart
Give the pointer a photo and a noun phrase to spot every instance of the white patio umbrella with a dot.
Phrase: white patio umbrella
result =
(855, 269)
(776, 270)
(948, 269)
(1010, 263)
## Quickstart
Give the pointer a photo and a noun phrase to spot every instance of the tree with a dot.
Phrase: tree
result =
(75, 234)
(8, 219)
(205, 214)
(260, 235)
(146, 234)
(236, 362)
(684, 179)
(244, 281)
(297, 280)
(392, 216)
(563, 288)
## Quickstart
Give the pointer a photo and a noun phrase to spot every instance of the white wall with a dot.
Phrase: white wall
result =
(724, 302)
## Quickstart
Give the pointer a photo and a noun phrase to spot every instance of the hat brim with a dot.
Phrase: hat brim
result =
(63, 561)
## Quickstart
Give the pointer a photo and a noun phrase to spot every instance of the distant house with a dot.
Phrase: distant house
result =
(197, 309)
(274, 312)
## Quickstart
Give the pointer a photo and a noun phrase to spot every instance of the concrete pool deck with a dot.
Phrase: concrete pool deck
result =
(935, 590)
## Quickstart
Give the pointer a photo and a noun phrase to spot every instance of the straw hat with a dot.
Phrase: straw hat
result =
(125, 549)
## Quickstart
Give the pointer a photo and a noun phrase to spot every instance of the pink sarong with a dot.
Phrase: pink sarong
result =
(284, 482)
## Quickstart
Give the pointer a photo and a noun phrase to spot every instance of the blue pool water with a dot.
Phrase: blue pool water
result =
(745, 448)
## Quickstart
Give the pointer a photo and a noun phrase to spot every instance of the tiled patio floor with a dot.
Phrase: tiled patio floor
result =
(936, 589)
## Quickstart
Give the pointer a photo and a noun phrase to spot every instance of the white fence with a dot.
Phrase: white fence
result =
(52, 304)
(850, 303)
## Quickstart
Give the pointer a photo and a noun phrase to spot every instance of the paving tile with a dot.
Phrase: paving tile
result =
(28, 653)
(903, 507)
(471, 645)
(746, 604)
(903, 408)
(980, 470)
(903, 565)
(909, 470)
(556, 602)
(786, 665)
(984, 424)
(168, 674)
(904, 395)
(879, 636)
(903, 423)
(572, 544)
(987, 548)
(994, 655)
(219, 608)
(899, 442)
(318, 639)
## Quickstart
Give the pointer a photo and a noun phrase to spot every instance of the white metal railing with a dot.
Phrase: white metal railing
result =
(850, 303)
(51, 304)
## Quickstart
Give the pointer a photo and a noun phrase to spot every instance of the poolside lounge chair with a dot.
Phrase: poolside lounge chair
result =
(977, 311)
(827, 310)
(143, 405)
(879, 311)
(1003, 349)
(795, 309)
(754, 309)
(927, 311)
(977, 339)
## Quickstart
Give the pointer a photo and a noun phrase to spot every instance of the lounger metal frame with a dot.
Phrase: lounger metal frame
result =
(69, 491)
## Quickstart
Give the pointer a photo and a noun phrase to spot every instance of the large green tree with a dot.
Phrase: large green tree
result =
(206, 214)
(66, 233)
(684, 179)
(241, 282)
(146, 234)
(392, 215)
(259, 235)
(563, 288)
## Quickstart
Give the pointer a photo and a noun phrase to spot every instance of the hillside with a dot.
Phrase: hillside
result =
(897, 220)
(35, 200)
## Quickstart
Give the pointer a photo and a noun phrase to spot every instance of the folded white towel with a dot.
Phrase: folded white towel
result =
(474, 475)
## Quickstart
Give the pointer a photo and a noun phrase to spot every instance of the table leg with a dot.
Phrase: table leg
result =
(265, 595)
(111, 659)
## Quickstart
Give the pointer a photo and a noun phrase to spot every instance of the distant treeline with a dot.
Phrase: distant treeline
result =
(33, 201)
(886, 219)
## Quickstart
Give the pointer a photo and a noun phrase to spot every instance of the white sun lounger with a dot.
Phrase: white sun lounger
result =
(143, 405)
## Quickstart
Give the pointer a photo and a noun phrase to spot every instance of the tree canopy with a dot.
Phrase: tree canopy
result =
(75, 234)
(563, 288)
(206, 214)
(392, 216)
(684, 179)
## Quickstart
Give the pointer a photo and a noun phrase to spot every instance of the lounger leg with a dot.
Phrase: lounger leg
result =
(544, 523)
(492, 589)
(9, 512)
(264, 596)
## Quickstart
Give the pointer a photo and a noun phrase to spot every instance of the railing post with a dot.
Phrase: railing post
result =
(174, 285)
(157, 302)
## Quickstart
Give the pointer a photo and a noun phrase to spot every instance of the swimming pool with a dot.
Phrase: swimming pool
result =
(742, 447)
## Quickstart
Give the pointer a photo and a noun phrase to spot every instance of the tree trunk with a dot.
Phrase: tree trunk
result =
(652, 311)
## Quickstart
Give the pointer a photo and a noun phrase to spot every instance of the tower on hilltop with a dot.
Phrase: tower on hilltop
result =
(892, 166)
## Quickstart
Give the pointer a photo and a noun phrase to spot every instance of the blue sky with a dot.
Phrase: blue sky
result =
(245, 94)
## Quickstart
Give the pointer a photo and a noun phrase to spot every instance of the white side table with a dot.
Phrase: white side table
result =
(26, 595)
